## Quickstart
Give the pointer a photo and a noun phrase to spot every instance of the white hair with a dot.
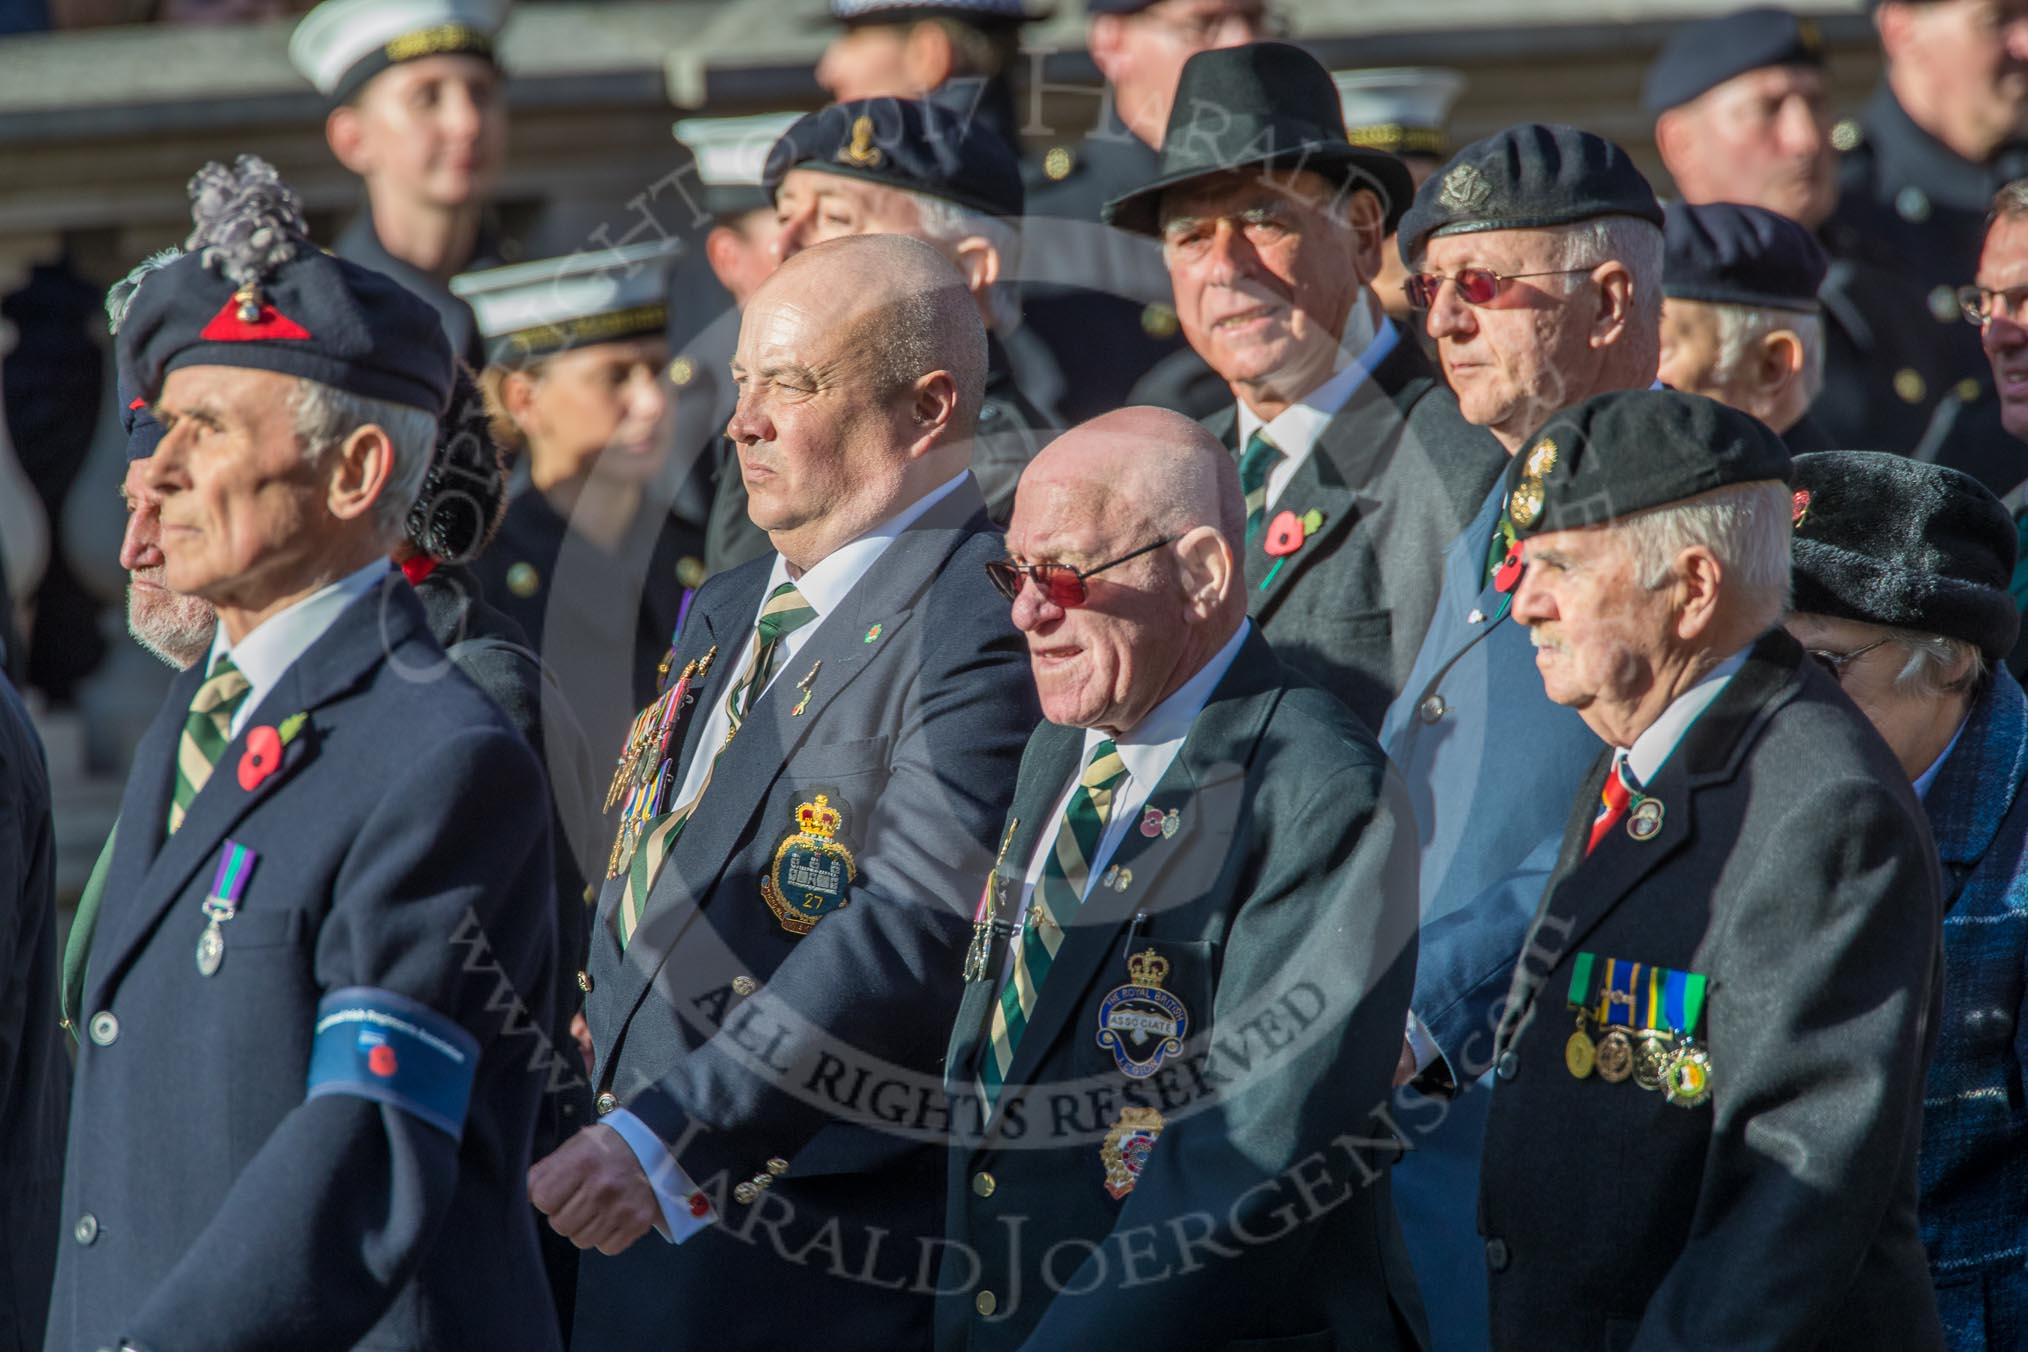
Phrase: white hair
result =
(1628, 240)
(325, 417)
(944, 223)
(1936, 666)
(1742, 329)
(1745, 525)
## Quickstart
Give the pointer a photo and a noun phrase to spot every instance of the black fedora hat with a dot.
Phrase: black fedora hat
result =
(1263, 104)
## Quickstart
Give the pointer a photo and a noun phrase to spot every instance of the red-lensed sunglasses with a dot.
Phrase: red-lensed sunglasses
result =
(1061, 585)
(1476, 286)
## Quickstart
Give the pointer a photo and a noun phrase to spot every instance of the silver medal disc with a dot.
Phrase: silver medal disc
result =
(210, 949)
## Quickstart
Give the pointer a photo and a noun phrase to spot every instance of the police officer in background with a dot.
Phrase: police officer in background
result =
(1740, 318)
(1943, 131)
(1100, 299)
(904, 167)
(419, 112)
(1728, 984)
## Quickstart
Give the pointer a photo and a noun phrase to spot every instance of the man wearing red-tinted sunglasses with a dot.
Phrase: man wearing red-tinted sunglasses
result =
(1199, 821)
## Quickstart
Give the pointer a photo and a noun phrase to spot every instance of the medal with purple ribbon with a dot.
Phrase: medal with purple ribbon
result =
(228, 885)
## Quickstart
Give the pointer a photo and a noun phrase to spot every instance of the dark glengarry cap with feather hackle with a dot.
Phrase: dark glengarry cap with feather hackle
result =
(252, 291)
(464, 491)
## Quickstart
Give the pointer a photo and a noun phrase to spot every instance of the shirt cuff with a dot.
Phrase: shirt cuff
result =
(685, 1210)
(1421, 1043)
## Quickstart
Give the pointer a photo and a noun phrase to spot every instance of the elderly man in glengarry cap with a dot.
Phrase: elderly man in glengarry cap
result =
(330, 897)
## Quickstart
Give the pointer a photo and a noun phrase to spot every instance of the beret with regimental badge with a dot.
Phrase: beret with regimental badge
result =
(137, 420)
(1887, 540)
(1265, 105)
(1527, 177)
(527, 311)
(252, 291)
(908, 144)
(1629, 450)
(1726, 253)
(341, 44)
(1698, 57)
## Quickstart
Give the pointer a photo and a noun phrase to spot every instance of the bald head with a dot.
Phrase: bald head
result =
(861, 366)
(901, 305)
(1148, 503)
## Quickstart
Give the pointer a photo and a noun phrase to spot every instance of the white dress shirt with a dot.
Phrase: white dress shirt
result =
(1645, 758)
(1146, 750)
(272, 646)
(1928, 777)
(827, 583)
(1295, 430)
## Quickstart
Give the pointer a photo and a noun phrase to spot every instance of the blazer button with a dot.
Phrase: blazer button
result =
(105, 1028)
(778, 1166)
(1431, 709)
(1508, 1066)
(584, 982)
(87, 1228)
(605, 1103)
(744, 985)
(985, 1302)
(983, 1183)
(1497, 1256)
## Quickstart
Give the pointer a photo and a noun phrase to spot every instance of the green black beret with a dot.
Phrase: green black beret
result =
(1527, 177)
(1887, 540)
(1627, 451)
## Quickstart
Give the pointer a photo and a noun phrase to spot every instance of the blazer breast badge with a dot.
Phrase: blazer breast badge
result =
(1141, 1024)
(811, 870)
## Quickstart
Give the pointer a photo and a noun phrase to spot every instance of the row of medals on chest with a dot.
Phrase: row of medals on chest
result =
(1654, 1059)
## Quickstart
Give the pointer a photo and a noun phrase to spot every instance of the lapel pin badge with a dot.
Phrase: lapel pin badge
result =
(1151, 822)
(1645, 822)
(872, 635)
(807, 686)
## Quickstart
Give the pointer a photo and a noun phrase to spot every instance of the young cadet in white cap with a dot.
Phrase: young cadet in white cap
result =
(419, 113)
(1405, 111)
(588, 561)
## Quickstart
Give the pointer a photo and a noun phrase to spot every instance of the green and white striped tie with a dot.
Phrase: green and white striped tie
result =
(785, 612)
(1057, 898)
(206, 732)
(1256, 463)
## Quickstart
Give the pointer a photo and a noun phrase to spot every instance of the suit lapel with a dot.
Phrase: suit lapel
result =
(842, 647)
(344, 656)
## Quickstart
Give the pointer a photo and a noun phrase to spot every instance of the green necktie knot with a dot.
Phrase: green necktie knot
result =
(1256, 463)
(784, 613)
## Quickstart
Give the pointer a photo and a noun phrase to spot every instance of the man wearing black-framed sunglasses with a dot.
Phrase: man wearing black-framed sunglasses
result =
(1198, 835)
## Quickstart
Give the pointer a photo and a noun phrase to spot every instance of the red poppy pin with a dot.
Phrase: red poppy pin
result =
(1799, 503)
(263, 755)
(1509, 571)
(1286, 534)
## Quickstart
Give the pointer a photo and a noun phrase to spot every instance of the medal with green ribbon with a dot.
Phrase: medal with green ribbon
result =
(1649, 1017)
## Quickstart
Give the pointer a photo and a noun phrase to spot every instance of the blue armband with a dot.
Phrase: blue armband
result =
(375, 1044)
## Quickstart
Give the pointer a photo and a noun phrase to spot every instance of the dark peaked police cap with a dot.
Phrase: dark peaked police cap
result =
(1629, 450)
(1265, 104)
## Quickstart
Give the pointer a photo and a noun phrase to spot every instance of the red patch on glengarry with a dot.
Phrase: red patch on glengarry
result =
(227, 327)
(1509, 571)
(381, 1061)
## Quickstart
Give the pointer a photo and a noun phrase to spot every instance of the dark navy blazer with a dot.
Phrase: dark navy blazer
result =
(403, 844)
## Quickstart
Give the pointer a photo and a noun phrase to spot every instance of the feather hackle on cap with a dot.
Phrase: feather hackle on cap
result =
(120, 296)
(247, 221)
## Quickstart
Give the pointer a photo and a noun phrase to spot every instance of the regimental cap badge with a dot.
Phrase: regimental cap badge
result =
(818, 819)
(861, 150)
(1810, 36)
(1147, 968)
(1465, 190)
(1541, 459)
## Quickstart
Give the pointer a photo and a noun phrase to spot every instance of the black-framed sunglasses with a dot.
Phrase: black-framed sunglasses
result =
(1062, 585)
(1835, 663)
(1476, 286)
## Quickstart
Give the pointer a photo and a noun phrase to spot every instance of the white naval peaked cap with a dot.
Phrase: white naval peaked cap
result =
(341, 44)
(979, 11)
(534, 309)
(732, 151)
(1404, 110)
